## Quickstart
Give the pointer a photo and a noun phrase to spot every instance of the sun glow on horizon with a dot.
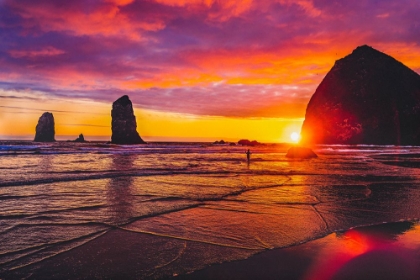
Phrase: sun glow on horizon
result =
(295, 137)
(19, 119)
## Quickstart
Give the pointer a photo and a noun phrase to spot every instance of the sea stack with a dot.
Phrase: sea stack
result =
(80, 139)
(124, 123)
(367, 97)
(44, 131)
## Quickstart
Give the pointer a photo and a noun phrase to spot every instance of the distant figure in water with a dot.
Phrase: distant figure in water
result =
(248, 155)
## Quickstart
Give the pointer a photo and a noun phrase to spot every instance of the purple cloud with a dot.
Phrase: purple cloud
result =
(205, 58)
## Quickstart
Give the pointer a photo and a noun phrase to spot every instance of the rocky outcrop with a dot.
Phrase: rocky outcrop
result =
(367, 97)
(81, 138)
(221, 142)
(124, 126)
(44, 131)
(300, 153)
(246, 142)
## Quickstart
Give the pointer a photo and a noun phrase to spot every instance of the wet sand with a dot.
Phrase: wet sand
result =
(214, 219)
(387, 251)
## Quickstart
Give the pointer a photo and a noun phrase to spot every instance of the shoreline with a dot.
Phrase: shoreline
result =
(366, 252)
(140, 200)
(350, 254)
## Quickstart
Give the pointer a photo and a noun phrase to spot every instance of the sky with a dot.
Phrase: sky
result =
(195, 70)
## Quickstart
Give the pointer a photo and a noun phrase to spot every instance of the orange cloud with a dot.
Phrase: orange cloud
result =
(185, 2)
(120, 2)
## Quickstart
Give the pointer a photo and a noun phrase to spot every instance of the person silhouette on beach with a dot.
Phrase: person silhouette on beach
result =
(248, 155)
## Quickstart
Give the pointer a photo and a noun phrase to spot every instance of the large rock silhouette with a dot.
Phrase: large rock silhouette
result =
(300, 153)
(367, 97)
(44, 131)
(124, 123)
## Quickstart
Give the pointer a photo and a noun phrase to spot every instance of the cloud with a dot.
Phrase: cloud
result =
(48, 110)
(93, 18)
(120, 2)
(206, 57)
(226, 100)
(49, 51)
(84, 124)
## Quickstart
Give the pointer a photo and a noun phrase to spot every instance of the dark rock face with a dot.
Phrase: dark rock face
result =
(368, 97)
(221, 142)
(246, 142)
(44, 131)
(81, 138)
(124, 123)
(300, 153)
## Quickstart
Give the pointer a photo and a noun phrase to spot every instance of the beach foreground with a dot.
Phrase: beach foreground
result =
(386, 251)
(194, 211)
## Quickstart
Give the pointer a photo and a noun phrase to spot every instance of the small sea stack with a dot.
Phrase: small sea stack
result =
(44, 131)
(300, 153)
(124, 125)
(80, 139)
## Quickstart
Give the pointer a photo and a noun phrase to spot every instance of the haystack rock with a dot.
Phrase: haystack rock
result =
(44, 131)
(124, 123)
(367, 97)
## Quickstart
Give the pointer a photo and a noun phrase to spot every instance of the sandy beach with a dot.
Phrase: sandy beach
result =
(189, 211)
(386, 251)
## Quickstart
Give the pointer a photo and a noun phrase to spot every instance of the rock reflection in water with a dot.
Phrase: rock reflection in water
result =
(119, 192)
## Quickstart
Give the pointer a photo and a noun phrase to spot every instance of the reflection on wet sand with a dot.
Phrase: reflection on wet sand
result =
(154, 213)
(119, 193)
(374, 252)
(387, 251)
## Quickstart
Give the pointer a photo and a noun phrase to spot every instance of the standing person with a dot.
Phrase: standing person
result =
(248, 155)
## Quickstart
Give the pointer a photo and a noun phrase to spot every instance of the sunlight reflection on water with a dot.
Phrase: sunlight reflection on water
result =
(59, 196)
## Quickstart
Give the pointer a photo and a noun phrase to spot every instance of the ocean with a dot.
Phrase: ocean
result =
(174, 208)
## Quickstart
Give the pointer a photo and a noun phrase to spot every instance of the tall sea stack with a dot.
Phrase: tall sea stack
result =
(367, 97)
(44, 131)
(124, 123)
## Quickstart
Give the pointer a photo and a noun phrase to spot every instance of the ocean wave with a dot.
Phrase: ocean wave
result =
(65, 194)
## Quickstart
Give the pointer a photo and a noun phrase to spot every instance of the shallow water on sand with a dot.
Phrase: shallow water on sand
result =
(194, 204)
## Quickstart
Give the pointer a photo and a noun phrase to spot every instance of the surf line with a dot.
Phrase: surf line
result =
(46, 247)
(192, 240)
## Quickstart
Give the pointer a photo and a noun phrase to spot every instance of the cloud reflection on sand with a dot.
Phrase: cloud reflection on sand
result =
(386, 251)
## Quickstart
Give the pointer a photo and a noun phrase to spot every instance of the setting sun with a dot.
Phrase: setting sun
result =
(295, 137)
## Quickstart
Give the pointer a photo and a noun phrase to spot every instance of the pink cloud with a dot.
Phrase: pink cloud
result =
(235, 58)
(102, 18)
(49, 51)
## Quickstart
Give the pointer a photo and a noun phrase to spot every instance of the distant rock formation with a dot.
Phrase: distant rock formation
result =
(44, 131)
(124, 123)
(368, 97)
(246, 142)
(81, 138)
(224, 143)
(221, 142)
(300, 153)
